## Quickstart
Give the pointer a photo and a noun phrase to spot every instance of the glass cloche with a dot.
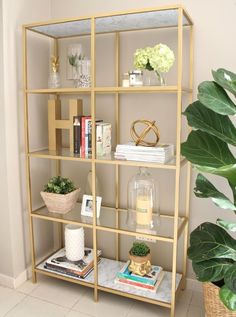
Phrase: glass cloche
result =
(143, 202)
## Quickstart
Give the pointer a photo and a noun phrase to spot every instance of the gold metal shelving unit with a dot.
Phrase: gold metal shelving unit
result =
(162, 17)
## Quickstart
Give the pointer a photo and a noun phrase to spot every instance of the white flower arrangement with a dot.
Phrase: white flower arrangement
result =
(159, 58)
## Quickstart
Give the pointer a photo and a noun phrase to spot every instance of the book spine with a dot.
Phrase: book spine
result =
(58, 270)
(135, 278)
(129, 282)
(99, 147)
(87, 123)
(76, 135)
(106, 138)
(82, 146)
(90, 137)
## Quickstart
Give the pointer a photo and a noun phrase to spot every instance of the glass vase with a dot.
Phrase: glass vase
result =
(54, 80)
(153, 78)
(143, 202)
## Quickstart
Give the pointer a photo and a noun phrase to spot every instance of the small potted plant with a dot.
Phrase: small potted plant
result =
(60, 195)
(140, 259)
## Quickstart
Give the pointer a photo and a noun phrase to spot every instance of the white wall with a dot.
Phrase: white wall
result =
(13, 228)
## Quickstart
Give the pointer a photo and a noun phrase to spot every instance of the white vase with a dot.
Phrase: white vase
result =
(74, 242)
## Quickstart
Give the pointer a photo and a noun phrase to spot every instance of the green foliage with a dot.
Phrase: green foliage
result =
(74, 58)
(212, 249)
(59, 185)
(139, 249)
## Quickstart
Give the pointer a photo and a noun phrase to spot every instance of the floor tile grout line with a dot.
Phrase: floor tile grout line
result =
(47, 301)
(15, 305)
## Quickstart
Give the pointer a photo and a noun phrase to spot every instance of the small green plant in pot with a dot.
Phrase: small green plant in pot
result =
(60, 194)
(140, 259)
(209, 148)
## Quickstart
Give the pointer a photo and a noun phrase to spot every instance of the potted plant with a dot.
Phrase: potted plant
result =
(60, 195)
(140, 259)
(209, 147)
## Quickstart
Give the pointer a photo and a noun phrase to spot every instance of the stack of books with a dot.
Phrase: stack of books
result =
(79, 269)
(162, 153)
(82, 136)
(149, 282)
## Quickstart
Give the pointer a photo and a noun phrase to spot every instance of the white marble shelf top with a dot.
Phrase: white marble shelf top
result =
(117, 23)
(107, 270)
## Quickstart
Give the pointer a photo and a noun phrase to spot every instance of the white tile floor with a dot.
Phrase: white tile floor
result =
(54, 298)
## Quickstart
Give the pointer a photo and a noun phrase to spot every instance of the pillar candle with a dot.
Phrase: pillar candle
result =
(144, 210)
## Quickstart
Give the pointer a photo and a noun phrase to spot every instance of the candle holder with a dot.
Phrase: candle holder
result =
(143, 201)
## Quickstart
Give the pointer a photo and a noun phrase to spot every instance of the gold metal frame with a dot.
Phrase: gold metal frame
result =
(179, 90)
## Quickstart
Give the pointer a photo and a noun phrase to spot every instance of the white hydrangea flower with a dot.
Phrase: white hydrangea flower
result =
(159, 58)
(162, 58)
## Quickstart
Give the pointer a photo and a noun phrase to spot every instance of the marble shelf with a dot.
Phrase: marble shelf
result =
(107, 270)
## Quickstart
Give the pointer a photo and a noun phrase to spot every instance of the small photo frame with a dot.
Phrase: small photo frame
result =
(87, 205)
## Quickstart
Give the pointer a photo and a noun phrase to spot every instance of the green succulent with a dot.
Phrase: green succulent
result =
(210, 147)
(59, 185)
(139, 249)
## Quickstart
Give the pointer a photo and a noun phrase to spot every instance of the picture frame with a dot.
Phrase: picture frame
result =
(87, 206)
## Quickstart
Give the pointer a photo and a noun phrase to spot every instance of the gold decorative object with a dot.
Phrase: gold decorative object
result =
(56, 124)
(54, 63)
(150, 127)
(140, 265)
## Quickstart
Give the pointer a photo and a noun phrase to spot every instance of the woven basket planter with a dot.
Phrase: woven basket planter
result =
(60, 203)
(213, 305)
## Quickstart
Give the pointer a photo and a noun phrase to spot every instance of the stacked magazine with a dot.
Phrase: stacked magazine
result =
(161, 153)
(149, 282)
(79, 269)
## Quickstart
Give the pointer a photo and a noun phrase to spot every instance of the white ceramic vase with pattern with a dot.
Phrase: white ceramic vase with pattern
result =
(74, 242)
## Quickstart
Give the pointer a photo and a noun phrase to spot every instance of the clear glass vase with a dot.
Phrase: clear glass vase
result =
(143, 202)
(54, 80)
(153, 78)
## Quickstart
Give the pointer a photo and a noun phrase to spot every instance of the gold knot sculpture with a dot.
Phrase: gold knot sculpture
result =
(150, 127)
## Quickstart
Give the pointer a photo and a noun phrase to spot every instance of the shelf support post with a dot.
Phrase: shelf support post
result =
(117, 114)
(93, 114)
(27, 158)
(188, 177)
(177, 172)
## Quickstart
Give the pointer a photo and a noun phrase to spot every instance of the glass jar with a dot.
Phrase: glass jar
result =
(125, 80)
(136, 78)
(143, 201)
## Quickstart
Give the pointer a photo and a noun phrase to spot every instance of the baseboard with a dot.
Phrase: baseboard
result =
(12, 282)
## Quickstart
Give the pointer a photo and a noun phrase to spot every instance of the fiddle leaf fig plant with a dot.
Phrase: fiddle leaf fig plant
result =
(209, 147)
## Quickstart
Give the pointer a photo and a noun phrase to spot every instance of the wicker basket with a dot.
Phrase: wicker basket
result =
(213, 305)
(60, 203)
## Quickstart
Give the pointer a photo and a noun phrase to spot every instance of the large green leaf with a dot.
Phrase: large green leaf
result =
(228, 298)
(227, 225)
(206, 150)
(214, 97)
(212, 270)
(227, 171)
(225, 79)
(200, 117)
(205, 189)
(209, 241)
(230, 278)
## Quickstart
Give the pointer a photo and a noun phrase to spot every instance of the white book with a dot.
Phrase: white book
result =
(143, 158)
(131, 147)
